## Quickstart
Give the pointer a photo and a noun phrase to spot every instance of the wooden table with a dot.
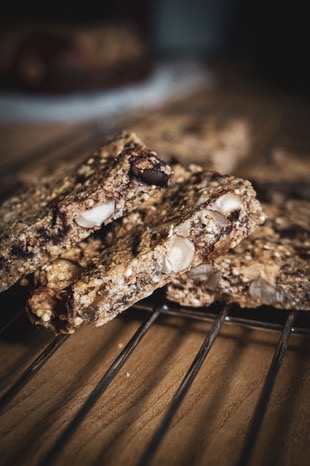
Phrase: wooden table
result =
(211, 424)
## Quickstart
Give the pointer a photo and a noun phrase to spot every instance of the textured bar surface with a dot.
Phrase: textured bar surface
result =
(197, 218)
(45, 218)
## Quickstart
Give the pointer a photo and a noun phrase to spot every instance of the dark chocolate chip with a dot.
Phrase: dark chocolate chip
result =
(216, 176)
(81, 179)
(54, 215)
(44, 233)
(155, 236)
(90, 314)
(136, 241)
(21, 252)
(227, 230)
(59, 229)
(153, 176)
(67, 297)
(149, 169)
(234, 215)
(59, 326)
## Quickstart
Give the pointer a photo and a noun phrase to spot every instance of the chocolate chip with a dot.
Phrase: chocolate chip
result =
(21, 252)
(91, 314)
(227, 230)
(155, 236)
(67, 298)
(234, 215)
(216, 176)
(152, 176)
(135, 242)
(59, 228)
(149, 169)
(81, 179)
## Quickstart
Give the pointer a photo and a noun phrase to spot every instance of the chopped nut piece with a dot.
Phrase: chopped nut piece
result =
(263, 291)
(201, 271)
(227, 203)
(183, 229)
(96, 216)
(219, 218)
(180, 255)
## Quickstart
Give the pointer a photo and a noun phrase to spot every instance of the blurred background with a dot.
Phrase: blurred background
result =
(108, 62)
(49, 48)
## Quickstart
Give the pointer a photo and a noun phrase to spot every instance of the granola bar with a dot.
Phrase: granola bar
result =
(279, 175)
(63, 208)
(197, 218)
(211, 141)
(271, 267)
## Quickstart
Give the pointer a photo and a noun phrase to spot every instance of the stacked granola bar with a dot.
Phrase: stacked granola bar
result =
(97, 236)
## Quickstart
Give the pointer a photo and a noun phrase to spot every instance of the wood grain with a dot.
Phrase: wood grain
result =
(211, 423)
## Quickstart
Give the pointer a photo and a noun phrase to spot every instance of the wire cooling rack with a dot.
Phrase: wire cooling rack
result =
(284, 325)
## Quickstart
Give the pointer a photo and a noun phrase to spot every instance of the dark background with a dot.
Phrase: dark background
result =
(271, 36)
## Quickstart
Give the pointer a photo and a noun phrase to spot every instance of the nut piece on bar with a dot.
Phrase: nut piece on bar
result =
(215, 142)
(61, 209)
(197, 218)
(271, 267)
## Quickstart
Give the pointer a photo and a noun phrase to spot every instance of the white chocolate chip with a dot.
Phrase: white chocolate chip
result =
(227, 203)
(180, 255)
(96, 216)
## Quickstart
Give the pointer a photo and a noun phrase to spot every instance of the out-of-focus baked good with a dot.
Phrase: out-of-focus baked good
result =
(66, 57)
(213, 140)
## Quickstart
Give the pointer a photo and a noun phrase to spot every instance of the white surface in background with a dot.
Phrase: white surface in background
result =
(167, 80)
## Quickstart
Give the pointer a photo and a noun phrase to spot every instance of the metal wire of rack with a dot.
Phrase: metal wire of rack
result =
(220, 319)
